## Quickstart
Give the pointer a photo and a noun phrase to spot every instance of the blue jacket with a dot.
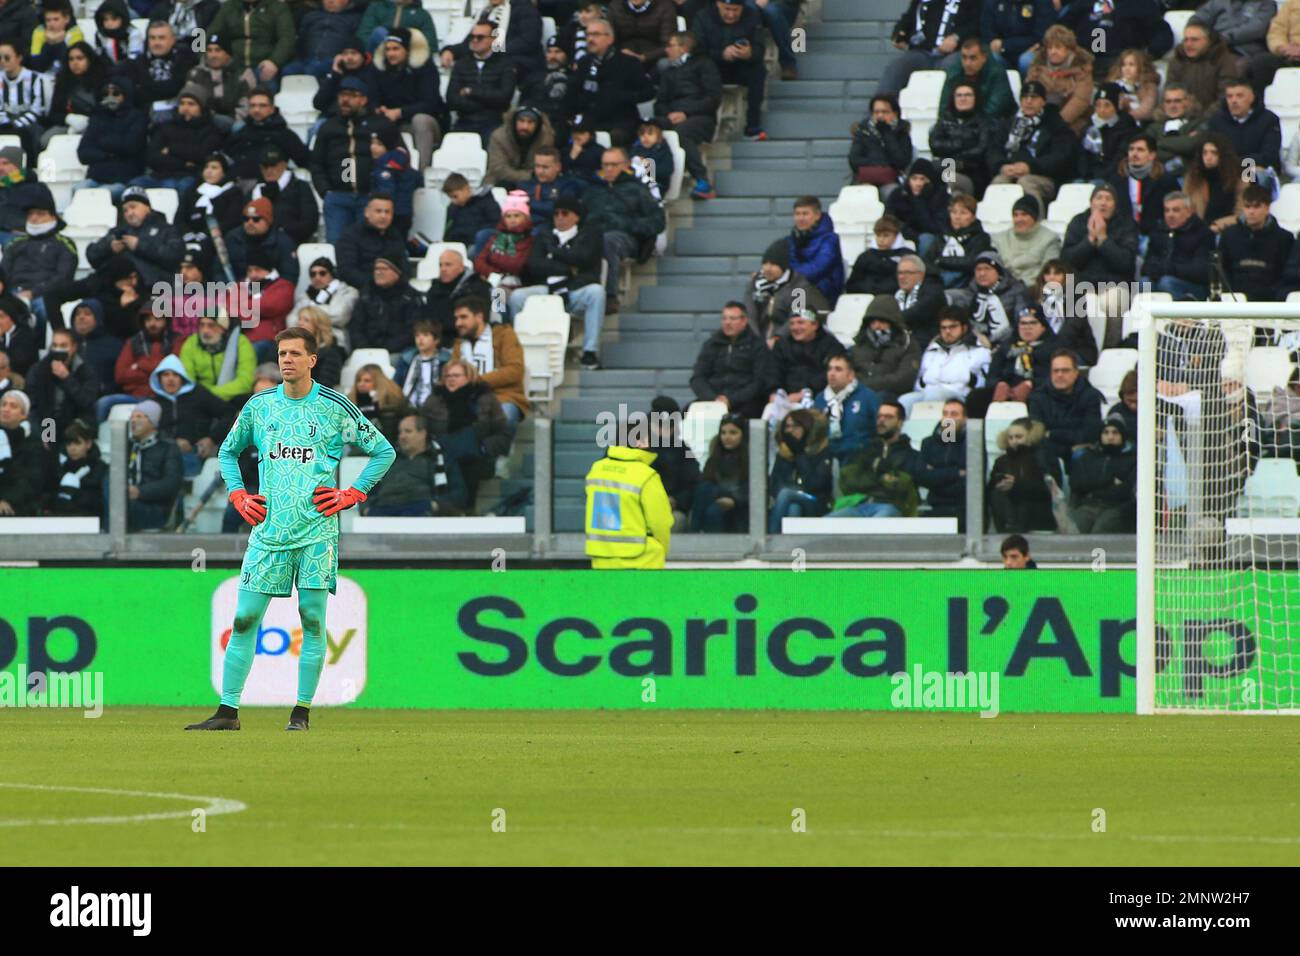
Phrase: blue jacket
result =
(542, 196)
(1019, 24)
(464, 222)
(321, 34)
(392, 174)
(819, 258)
(857, 419)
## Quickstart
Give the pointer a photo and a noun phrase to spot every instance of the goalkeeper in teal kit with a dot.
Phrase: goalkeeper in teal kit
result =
(300, 429)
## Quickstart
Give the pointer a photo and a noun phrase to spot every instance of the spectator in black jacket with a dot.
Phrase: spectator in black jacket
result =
(1020, 481)
(961, 135)
(1111, 28)
(352, 60)
(802, 480)
(522, 43)
(928, 33)
(721, 501)
(386, 310)
(875, 271)
(340, 157)
(373, 238)
(63, 386)
(408, 94)
(192, 416)
(322, 35)
(80, 474)
(116, 138)
(1035, 148)
(731, 35)
(690, 89)
(921, 205)
(565, 261)
(1069, 409)
(800, 359)
(217, 195)
(952, 254)
(734, 365)
(76, 89)
(472, 216)
(882, 145)
(675, 464)
(941, 465)
(482, 85)
(179, 147)
(154, 473)
(1020, 364)
(775, 292)
(18, 18)
(1255, 250)
(293, 204)
(1178, 259)
(919, 297)
(1105, 139)
(456, 280)
(227, 87)
(1103, 482)
(264, 128)
(1141, 185)
(25, 471)
(43, 258)
(1255, 132)
(261, 233)
(16, 337)
(159, 73)
(1101, 246)
(152, 248)
(609, 84)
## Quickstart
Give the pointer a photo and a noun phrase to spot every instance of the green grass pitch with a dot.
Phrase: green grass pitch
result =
(403, 788)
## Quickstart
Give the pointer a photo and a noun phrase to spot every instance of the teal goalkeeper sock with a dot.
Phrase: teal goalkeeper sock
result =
(249, 611)
(311, 656)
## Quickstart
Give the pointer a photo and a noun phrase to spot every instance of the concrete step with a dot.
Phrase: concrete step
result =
(843, 66)
(862, 10)
(729, 206)
(796, 165)
(652, 323)
(684, 299)
(738, 182)
(665, 353)
(862, 29)
(806, 124)
(808, 91)
(708, 241)
(695, 265)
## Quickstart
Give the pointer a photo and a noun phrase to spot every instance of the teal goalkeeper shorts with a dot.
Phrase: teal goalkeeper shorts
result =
(313, 566)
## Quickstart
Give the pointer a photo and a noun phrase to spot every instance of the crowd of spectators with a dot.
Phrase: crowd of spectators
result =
(189, 103)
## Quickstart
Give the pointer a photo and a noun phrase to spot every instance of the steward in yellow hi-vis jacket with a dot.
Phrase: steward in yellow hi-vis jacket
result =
(629, 517)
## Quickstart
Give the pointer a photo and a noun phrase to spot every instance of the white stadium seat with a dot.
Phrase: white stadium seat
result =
(1071, 199)
(845, 320)
(679, 164)
(90, 214)
(1267, 368)
(1287, 208)
(1177, 19)
(920, 98)
(165, 201)
(459, 153)
(359, 358)
(1272, 491)
(996, 420)
(702, 421)
(1112, 365)
(994, 210)
(308, 253)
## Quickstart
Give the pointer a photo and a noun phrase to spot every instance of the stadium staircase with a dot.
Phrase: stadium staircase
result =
(649, 348)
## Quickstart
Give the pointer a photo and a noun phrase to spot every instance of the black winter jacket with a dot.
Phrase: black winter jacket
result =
(180, 146)
(359, 245)
(383, 318)
(956, 251)
(963, 138)
(156, 257)
(1113, 261)
(694, 88)
(926, 213)
(1183, 253)
(742, 369)
(1071, 419)
(25, 474)
(939, 468)
(246, 145)
(1258, 138)
(343, 144)
(607, 91)
(490, 90)
(1105, 475)
(1255, 260)
(875, 144)
(294, 209)
(114, 144)
(576, 263)
(78, 488)
(1050, 150)
(801, 365)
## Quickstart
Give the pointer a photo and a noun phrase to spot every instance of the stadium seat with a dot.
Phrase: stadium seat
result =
(459, 153)
(543, 329)
(9, 140)
(301, 83)
(1071, 199)
(1177, 19)
(426, 269)
(1267, 368)
(429, 213)
(679, 164)
(548, 29)
(851, 246)
(994, 210)
(920, 98)
(165, 201)
(856, 210)
(1142, 298)
(1013, 79)
(1112, 365)
(996, 420)
(702, 421)
(1272, 491)
(603, 139)
(359, 358)
(309, 252)
(921, 137)
(90, 214)
(58, 167)
(845, 320)
(920, 423)
(1287, 208)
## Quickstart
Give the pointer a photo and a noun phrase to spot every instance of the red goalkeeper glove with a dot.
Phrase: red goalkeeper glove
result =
(252, 508)
(330, 501)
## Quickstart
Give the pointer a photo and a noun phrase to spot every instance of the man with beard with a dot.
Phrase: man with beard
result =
(340, 159)
(219, 358)
(179, 147)
(513, 148)
(407, 93)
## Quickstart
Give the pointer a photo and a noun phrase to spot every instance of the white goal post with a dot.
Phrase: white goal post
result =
(1218, 516)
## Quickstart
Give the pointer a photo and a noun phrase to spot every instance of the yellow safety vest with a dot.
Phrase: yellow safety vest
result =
(629, 517)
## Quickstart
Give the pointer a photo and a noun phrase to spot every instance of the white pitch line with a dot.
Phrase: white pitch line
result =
(215, 806)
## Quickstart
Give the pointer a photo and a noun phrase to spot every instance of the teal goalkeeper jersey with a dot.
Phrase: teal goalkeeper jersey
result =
(300, 442)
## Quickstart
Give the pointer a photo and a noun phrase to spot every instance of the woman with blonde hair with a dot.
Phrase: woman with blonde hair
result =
(380, 400)
(1065, 70)
(329, 357)
(1135, 72)
(1213, 182)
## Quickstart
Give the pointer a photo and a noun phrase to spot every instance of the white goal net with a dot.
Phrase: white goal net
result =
(1219, 509)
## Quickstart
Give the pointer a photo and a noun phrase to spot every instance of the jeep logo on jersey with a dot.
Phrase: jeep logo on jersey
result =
(294, 452)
